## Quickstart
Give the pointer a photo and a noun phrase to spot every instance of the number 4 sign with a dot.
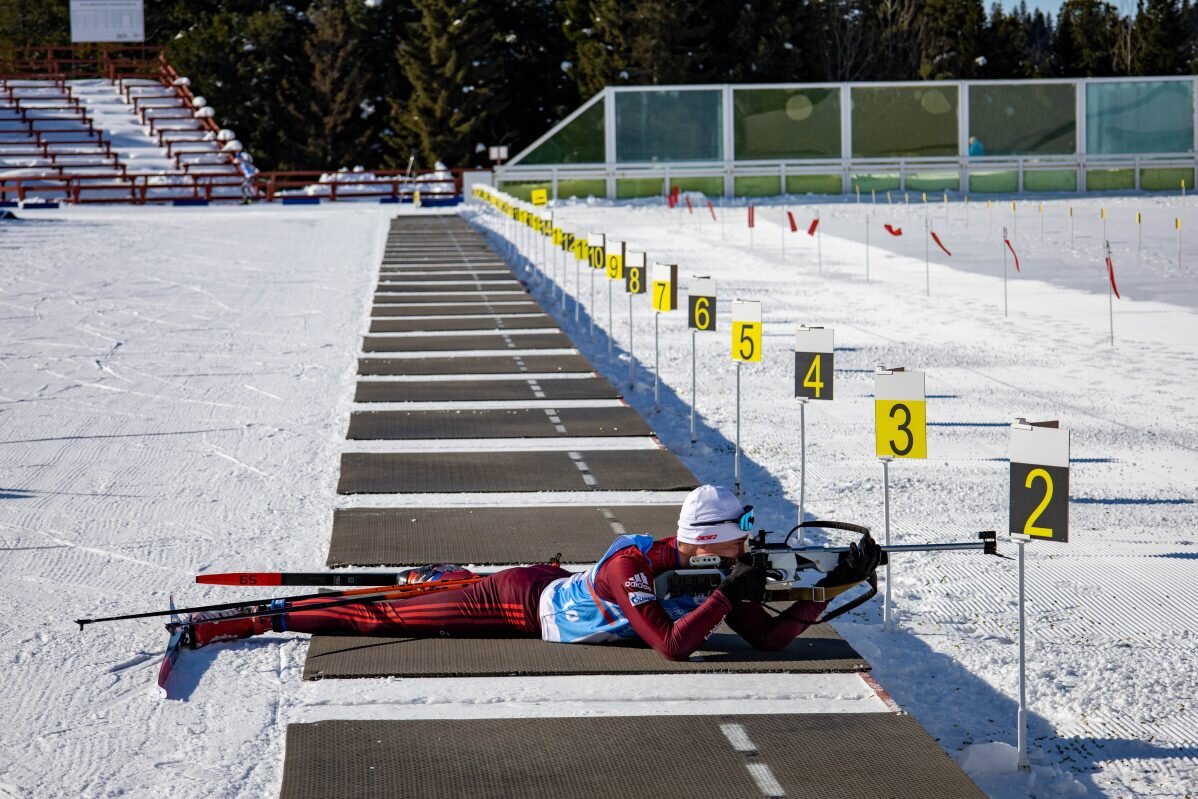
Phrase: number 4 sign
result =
(1040, 480)
(813, 363)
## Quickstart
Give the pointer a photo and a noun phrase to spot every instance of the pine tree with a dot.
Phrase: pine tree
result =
(1161, 28)
(326, 112)
(598, 32)
(952, 38)
(1087, 38)
(773, 41)
(448, 58)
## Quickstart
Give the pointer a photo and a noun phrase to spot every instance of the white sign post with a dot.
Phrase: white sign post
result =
(900, 422)
(108, 21)
(1039, 508)
(813, 381)
(635, 282)
(665, 299)
(746, 346)
(700, 313)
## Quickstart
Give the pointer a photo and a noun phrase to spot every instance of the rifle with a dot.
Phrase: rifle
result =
(785, 563)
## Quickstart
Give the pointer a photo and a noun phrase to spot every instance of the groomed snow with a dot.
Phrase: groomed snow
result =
(175, 386)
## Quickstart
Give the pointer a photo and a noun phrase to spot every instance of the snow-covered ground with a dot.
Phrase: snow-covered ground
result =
(174, 390)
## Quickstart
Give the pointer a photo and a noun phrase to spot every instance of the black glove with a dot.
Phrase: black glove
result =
(746, 581)
(856, 565)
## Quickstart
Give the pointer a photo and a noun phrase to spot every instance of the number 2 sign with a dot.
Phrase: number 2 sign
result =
(1040, 480)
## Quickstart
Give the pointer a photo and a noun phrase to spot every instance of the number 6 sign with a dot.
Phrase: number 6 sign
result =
(1040, 480)
(900, 414)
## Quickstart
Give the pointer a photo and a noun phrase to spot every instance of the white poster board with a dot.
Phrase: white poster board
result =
(108, 21)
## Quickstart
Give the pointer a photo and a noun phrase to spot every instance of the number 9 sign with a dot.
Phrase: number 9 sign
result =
(900, 414)
(1040, 480)
(746, 331)
(615, 260)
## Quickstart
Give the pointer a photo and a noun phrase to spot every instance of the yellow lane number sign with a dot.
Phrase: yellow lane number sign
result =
(665, 287)
(634, 273)
(746, 331)
(900, 414)
(615, 260)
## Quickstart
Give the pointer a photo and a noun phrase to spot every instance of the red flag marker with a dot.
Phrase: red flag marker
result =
(690, 209)
(1012, 249)
(1110, 269)
(893, 231)
(939, 243)
(794, 228)
(711, 208)
(811, 228)
(751, 216)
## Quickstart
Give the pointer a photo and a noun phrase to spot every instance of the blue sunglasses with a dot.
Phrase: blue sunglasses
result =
(744, 521)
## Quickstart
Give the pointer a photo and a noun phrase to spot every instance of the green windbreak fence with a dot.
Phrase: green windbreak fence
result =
(1113, 134)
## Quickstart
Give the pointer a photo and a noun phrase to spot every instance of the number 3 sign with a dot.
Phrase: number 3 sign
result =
(900, 414)
(1040, 480)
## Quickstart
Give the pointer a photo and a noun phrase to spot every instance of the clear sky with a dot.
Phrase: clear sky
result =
(1053, 6)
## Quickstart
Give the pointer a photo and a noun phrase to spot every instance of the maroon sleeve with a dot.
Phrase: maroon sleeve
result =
(627, 579)
(755, 624)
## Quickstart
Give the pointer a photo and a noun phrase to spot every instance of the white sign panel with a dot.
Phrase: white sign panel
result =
(108, 21)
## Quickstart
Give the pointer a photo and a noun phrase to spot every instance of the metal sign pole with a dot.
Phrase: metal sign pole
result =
(867, 248)
(927, 257)
(656, 361)
(631, 356)
(887, 611)
(802, 459)
(611, 324)
(1021, 731)
(1004, 272)
(819, 244)
(591, 307)
(736, 460)
(694, 381)
(577, 288)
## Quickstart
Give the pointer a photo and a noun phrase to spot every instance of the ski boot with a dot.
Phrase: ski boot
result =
(202, 629)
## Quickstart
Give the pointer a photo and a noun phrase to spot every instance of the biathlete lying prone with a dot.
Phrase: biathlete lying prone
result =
(613, 600)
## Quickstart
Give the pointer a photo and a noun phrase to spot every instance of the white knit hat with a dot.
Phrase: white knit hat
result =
(705, 505)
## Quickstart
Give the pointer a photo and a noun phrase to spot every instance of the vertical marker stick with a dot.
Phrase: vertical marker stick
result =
(665, 299)
(700, 315)
(814, 380)
(615, 271)
(900, 422)
(634, 283)
(1039, 508)
(746, 347)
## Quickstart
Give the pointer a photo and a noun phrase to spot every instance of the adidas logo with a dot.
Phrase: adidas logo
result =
(638, 582)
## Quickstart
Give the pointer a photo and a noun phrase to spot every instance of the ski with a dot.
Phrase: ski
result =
(301, 578)
(174, 645)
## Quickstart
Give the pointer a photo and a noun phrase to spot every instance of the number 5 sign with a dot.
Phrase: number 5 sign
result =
(746, 330)
(1040, 480)
(900, 414)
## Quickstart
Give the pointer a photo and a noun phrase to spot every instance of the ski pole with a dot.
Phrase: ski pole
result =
(244, 603)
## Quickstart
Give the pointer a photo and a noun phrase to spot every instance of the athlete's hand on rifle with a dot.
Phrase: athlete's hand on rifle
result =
(857, 564)
(746, 581)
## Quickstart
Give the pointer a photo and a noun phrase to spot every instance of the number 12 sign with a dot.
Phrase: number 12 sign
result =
(900, 414)
(1040, 480)
(746, 330)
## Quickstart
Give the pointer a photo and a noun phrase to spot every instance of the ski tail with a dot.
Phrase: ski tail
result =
(178, 629)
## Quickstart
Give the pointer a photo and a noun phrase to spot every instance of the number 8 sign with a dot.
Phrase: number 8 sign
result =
(1040, 480)
(746, 331)
(900, 414)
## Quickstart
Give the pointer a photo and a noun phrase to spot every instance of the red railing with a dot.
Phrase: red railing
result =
(396, 183)
(122, 188)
